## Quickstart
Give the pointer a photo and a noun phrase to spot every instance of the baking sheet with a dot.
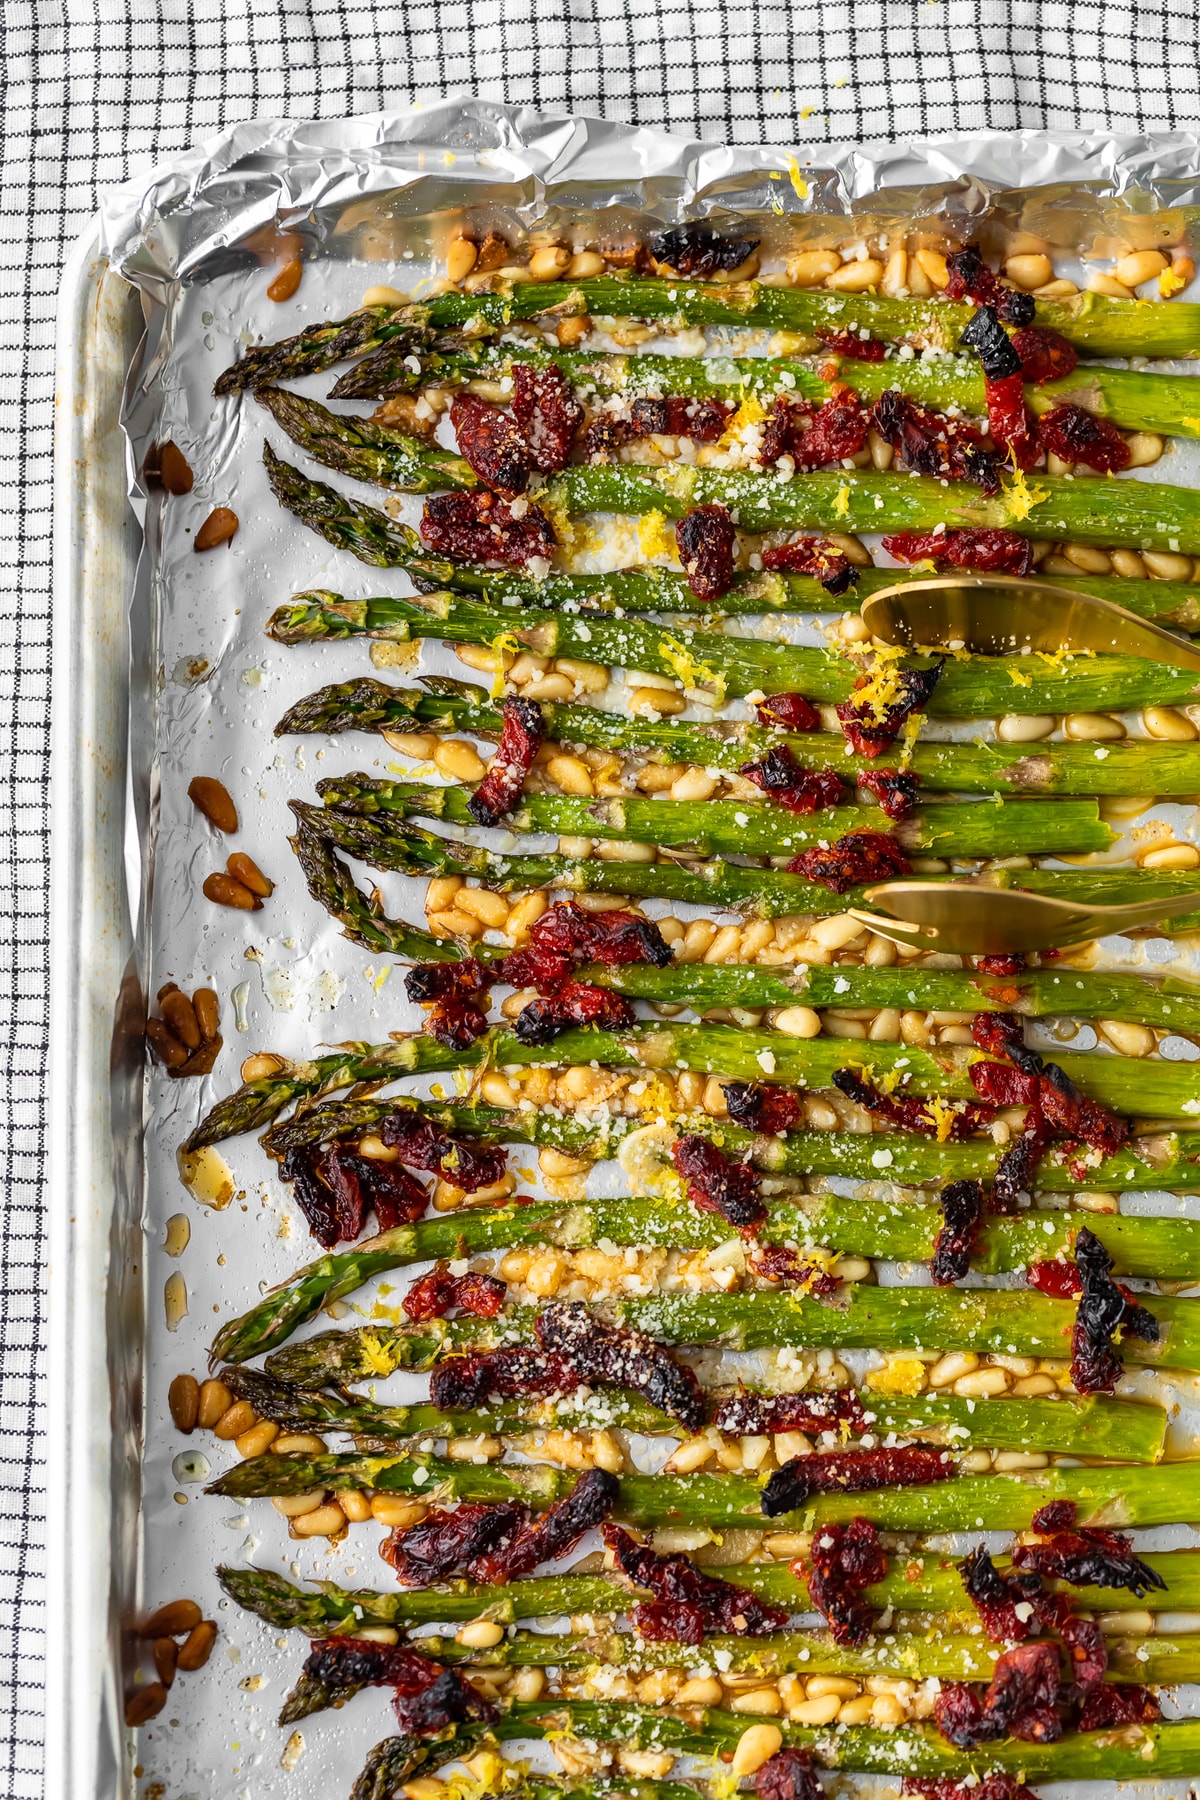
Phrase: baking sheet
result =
(372, 197)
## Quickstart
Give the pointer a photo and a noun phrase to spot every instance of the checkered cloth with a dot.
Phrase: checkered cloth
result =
(96, 93)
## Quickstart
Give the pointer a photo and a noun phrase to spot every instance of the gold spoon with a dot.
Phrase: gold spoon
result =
(974, 918)
(1007, 615)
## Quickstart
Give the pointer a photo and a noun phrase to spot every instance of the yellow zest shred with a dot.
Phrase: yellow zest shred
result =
(841, 502)
(899, 1375)
(1170, 281)
(374, 1354)
(943, 1116)
(693, 674)
(504, 644)
(1017, 676)
(1019, 497)
(910, 733)
(797, 179)
(656, 537)
(658, 1101)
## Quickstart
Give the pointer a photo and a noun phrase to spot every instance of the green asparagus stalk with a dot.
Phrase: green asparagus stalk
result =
(1102, 1429)
(1134, 399)
(1154, 767)
(751, 828)
(385, 543)
(365, 450)
(1112, 1495)
(975, 686)
(915, 1582)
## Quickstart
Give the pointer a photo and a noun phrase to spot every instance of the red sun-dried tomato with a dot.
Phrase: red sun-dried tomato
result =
(492, 442)
(1080, 437)
(952, 1787)
(715, 1183)
(1083, 1640)
(547, 412)
(444, 1542)
(1102, 1313)
(759, 1415)
(1087, 1557)
(837, 430)
(985, 549)
(1045, 355)
(481, 527)
(931, 443)
(450, 1700)
(788, 712)
(424, 1145)
(1011, 963)
(521, 736)
(440, 1292)
(895, 790)
(788, 1775)
(962, 1215)
(997, 1597)
(612, 1356)
(456, 994)
(1021, 1696)
(1107, 1705)
(679, 415)
(971, 279)
(613, 938)
(336, 1188)
(910, 1114)
(1003, 1034)
(427, 1696)
(871, 728)
(1008, 418)
(816, 557)
(771, 1110)
(555, 1534)
(707, 540)
(1056, 1515)
(1059, 1280)
(687, 1604)
(851, 1472)
(845, 1559)
(697, 251)
(1015, 1170)
(579, 1004)
(859, 857)
(800, 790)
(849, 344)
(775, 1262)
(463, 1383)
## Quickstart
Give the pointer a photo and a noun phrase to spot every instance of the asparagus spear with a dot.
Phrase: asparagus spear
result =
(750, 828)
(1118, 1429)
(976, 686)
(915, 1582)
(1111, 1495)
(386, 543)
(1153, 767)
(365, 450)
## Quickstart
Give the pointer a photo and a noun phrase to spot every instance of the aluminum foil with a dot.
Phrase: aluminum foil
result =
(373, 199)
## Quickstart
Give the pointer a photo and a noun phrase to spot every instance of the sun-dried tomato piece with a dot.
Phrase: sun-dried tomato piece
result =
(758, 1415)
(971, 279)
(1005, 1603)
(848, 343)
(604, 436)
(775, 1262)
(871, 725)
(329, 1192)
(1107, 1705)
(521, 736)
(555, 1534)
(1056, 1515)
(424, 1145)
(813, 556)
(1083, 1640)
(480, 527)
(1088, 1557)
(611, 1356)
(1015, 1170)
(837, 430)
(1021, 1696)
(449, 1700)
(771, 1110)
(439, 1292)
(444, 1542)
(580, 1003)
(859, 857)
(986, 336)
(931, 443)
(1008, 418)
(1060, 1280)
(958, 1715)
(707, 540)
(1103, 1311)
(492, 442)
(788, 1775)
(985, 549)
(910, 1114)
(1011, 963)
(697, 251)
(456, 995)
(851, 1472)
(788, 712)
(845, 1559)
(463, 1383)
(800, 790)
(547, 412)
(613, 938)
(1045, 355)
(951, 1787)
(679, 415)
(895, 790)
(718, 1184)
(348, 1662)
(687, 1603)
(1080, 437)
(1003, 1034)
(962, 1215)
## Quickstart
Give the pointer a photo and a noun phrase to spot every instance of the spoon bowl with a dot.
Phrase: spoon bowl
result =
(973, 918)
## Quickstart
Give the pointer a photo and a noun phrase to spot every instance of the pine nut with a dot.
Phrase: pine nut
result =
(1086, 557)
(816, 1712)
(885, 1026)
(375, 1148)
(948, 1368)
(656, 703)
(1057, 290)
(1029, 272)
(146, 1703)
(701, 1690)
(497, 1090)
(528, 667)
(212, 798)
(724, 946)
(591, 677)
(887, 1710)
(694, 784)
(380, 295)
(1087, 1201)
(420, 745)
(525, 913)
(208, 1013)
(1024, 728)
(1092, 728)
(454, 924)
(556, 1165)
(844, 1028)
(851, 547)
(527, 1684)
(441, 892)
(755, 1747)
(356, 1506)
(480, 1634)
(1171, 856)
(797, 1021)
(811, 267)
(982, 1383)
(571, 775)
(617, 850)
(224, 889)
(1128, 1038)
(299, 1443)
(851, 1268)
(880, 952)
(789, 1445)
(473, 1449)
(1030, 1387)
(172, 1620)
(549, 263)
(585, 264)
(323, 1521)
(919, 284)
(215, 1401)
(373, 1634)
(1015, 1462)
(174, 470)
(856, 1712)
(934, 265)
(855, 277)
(1145, 449)
(550, 687)
(696, 940)
(183, 1398)
(1139, 266)
(294, 1506)
(714, 1101)
(287, 280)
(397, 1510)
(489, 908)
(258, 1438)
(820, 1116)
(486, 660)
(841, 1685)
(837, 931)
(763, 1700)
(784, 1545)
(545, 1274)
(460, 259)
(458, 761)
(1108, 284)
(243, 869)
(895, 273)
(882, 454)
(1129, 564)
(217, 529)
(235, 1419)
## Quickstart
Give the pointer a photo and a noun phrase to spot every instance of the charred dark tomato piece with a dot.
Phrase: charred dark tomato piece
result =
(697, 251)
(836, 431)
(958, 1715)
(850, 344)
(1020, 1699)
(334, 1212)
(770, 1110)
(1077, 436)
(800, 790)
(605, 1355)
(423, 1145)
(1010, 963)
(911, 1113)
(1008, 419)
(962, 1215)
(776, 1262)
(788, 712)
(816, 557)
(1106, 1705)
(715, 1183)
(1087, 1557)
(871, 721)
(580, 1003)
(1103, 1311)
(1015, 1170)
(481, 527)
(1003, 1034)
(931, 443)
(971, 279)
(462, 1383)
(788, 1775)
(706, 540)
(613, 938)
(521, 738)
(859, 857)
(456, 994)
(758, 1415)
(1083, 1640)
(555, 1534)
(448, 1700)
(996, 1598)
(985, 549)
(949, 1787)
(986, 336)
(604, 436)
(1045, 355)
(1056, 1515)
(547, 412)
(895, 790)
(687, 1603)
(845, 1559)
(492, 442)
(347, 1662)
(851, 1472)
(702, 420)
(440, 1292)
(444, 1542)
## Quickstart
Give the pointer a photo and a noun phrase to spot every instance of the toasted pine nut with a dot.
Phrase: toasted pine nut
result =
(262, 1065)
(550, 687)
(287, 280)
(756, 1746)
(855, 277)
(215, 1401)
(656, 703)
(1013, 1462)
(1171, 856)
(714, 1101)
(299, 1443)
(841, 1685)
(694, 784)
(1024, 728)
(243, 869)
(591, 677)
(887, 1710)
(1092, 728)
(480, 1634)
(545, 1273)
(880, 952)
(1129, 564)
(1108, 284)
(356, 1506)
(837, 931)
(934, 265)
(1139, 266)
(166, 1656)
(225, 890)
(486, 660)
(584, 264)
(895, 272)
(172, 1620)
(397, 1510)
(549, 263)
(174, 470)
(571, 774)
(724, 946)
(491, 909)
(1085, 556)
(1128, 1038)
(420, 745)
(527, 1684)
(790, 1444)
(211, 797)
(380, 295)
(798, 1021)
(294, 1506)
(458, 760)
(856, 1712)
(323, 1521)
(180, 1016)
(882, 453)
(1031, 1386)
(948, 1368)
(1057, 290)
(235, 1419)
(617, 850)
(1145, 449)
(441, 892)
(556, 1165)
(821, 1711)
(460, 259)
(208, 1013)
(165, 1044)
(763, 1700)
(1029, 272)
(982, 1382)
(454, 924)
(473, 1449)
(525, 913)
(1167, 565)
(811, 267)
(146, 1703)
(258, 1438)
(183, 1398)
(217, 529)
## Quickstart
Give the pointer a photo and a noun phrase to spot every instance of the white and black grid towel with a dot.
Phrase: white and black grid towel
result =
(94, 91)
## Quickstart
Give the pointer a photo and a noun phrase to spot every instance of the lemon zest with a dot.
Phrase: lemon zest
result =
(899, 1375)
(656, 537)
(1019, 497)
(1170, 281)
(796, 178)
(503, 644)
(911, 732)
(942, 1115)
(841, 502)
(686, 668)
(376, 1357)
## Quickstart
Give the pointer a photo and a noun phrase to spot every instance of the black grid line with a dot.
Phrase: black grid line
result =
(92, 91)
